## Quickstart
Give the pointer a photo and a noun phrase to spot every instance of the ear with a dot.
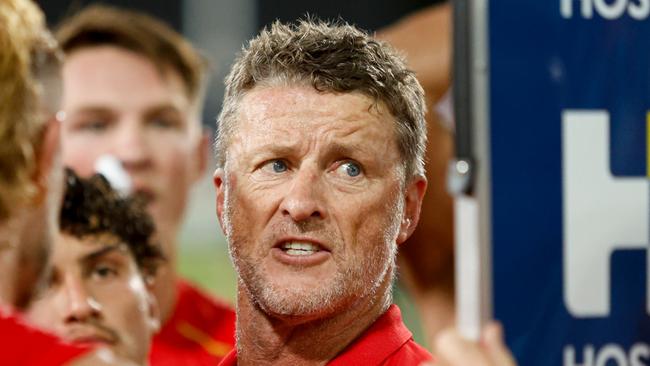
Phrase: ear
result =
(220, 187)
(201, 154)
(412, 204)
(47, 157)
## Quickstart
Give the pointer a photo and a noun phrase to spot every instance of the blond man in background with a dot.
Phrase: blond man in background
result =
(31, 182)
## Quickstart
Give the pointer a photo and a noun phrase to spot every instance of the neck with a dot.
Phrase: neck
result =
(8, 271)
(265, 340)
(20, 259)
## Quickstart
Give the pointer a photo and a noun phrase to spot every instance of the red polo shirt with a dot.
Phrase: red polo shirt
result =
(25, 346)
(387, 343)
(200, 331)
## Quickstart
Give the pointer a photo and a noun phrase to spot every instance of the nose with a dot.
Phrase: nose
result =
(304, 199)
(132, 146)
(81, 305)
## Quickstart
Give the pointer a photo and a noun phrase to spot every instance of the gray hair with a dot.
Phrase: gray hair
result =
(331, 57)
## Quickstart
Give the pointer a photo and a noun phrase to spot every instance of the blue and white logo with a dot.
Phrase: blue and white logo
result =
(608, 9)
(602, 214)
(569, 197)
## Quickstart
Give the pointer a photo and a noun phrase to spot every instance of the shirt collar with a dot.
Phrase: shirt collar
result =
(385, 336)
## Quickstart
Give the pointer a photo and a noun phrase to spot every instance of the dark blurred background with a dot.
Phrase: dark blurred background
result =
(220, 27)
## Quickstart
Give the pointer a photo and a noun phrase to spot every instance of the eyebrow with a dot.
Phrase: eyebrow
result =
(163, 108)
(335, 149)
(274, 149)
(167, 110)
(345, 150)
(353, 151)
(93, 110)
(100, 109)
(90, 257)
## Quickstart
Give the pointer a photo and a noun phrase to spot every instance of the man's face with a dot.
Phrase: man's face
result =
(117, 102)
(97, 295)
(312, 200)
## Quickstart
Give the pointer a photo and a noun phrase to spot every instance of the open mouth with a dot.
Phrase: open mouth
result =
(295, 248)
(302, 252)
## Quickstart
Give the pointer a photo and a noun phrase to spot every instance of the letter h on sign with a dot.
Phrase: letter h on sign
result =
(601, 213)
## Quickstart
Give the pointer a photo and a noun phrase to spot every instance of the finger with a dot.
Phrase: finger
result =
(495, 347)
(453, 350)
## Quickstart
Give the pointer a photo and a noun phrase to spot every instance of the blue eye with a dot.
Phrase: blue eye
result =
(351, 169)
(274, 167)
(279, 166)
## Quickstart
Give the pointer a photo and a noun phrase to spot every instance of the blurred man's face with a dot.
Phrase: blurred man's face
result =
(312, 200)
(97, 295)
(117, 102)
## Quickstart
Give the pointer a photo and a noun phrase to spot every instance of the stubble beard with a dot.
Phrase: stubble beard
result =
(353, 282)
(346, 287)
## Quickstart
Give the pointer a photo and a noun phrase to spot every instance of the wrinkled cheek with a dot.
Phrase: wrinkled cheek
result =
(378, 232)
(244, 224)
(239, 229)
(376, 222)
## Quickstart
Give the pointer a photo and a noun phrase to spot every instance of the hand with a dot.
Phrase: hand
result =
(450, 349)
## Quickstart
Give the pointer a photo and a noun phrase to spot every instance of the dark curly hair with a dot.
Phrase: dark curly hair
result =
(92, 207)
(330, 57)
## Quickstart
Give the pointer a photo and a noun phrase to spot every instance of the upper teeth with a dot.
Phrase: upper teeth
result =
(293, 246)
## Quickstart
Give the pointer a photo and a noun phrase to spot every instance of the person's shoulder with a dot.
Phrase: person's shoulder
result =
(25, 345)
(203, 305)
(386, 341)
(199, 313)
(200, 331)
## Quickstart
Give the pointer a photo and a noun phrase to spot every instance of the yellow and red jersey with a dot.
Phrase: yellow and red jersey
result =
(200, 332)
